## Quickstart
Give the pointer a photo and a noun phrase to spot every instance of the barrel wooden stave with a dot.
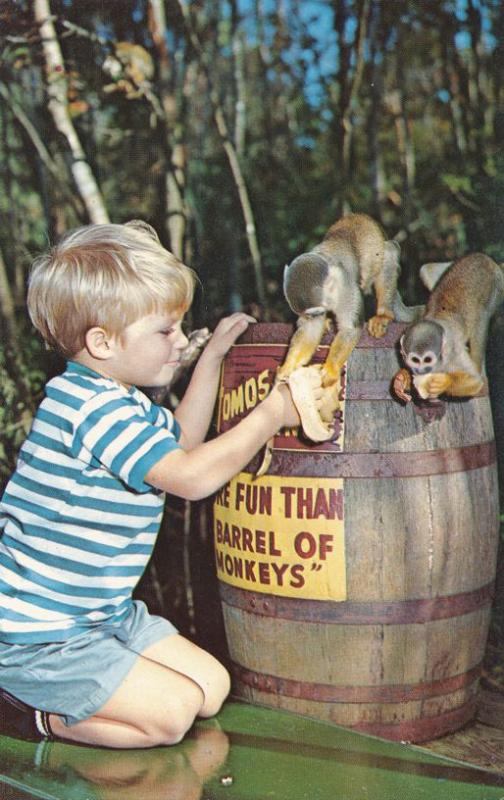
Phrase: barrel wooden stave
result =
(366, 660)
(353, 655)
(399, 520)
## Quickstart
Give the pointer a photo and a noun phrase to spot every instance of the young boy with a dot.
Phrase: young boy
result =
(79, 659)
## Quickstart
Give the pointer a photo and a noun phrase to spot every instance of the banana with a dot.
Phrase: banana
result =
(305, 385)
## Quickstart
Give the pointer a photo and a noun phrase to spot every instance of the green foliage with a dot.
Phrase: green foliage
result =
(17, 398)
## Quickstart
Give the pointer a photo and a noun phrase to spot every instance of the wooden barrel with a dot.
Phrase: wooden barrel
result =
(356, 577)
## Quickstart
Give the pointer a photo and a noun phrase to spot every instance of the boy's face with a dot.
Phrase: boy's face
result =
(149, 350)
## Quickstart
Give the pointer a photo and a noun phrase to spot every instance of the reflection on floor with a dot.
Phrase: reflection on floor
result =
(247, 753)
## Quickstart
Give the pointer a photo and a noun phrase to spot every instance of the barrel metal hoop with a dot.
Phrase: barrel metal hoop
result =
(393, 612)
(279, 334)
(329, 693)
(413, 464)
(423, 729)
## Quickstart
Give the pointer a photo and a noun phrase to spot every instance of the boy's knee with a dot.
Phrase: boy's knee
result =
(165, 736)
(191, 703)
(170, 725)
(170, 733)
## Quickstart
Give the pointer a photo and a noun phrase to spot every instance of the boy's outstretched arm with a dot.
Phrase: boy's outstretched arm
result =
(195, 410)
(199, 472)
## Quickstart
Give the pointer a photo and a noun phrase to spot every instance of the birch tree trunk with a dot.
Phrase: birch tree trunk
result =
(57, 89)
(177, 213)
(348, 110)
(478, 100)
(238, 47)
(373, 125)
(451, 77)
(396, 101)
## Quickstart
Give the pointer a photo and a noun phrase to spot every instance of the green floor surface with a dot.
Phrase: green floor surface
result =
(247, 753)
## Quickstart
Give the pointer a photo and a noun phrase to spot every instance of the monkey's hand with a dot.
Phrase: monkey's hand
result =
(432, 385)
(456, 384)
(401, 385)
(329, 402)
(330, 373)
(331, 387)
(377, 325)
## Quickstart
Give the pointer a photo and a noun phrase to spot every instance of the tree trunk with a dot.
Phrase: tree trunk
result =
(342, 81)
(237, 42)
(476, 95)
(377, 172)
(396, 105)
(57, 88)
(452, 82)
(176, 222)
(351, 96)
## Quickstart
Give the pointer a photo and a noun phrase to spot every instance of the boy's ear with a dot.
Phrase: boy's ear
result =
(99, 343)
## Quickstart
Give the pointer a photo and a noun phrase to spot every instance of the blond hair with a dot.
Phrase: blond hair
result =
(106, 276)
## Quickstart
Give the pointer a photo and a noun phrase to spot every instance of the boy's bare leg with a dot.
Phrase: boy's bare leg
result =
(171, 683)
(186, 658)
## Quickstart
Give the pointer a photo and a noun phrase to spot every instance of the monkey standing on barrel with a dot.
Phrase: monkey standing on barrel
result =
(445, 351)
(353, 258)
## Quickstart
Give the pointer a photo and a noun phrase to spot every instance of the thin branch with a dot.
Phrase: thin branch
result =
(39, 145)
(230, 150)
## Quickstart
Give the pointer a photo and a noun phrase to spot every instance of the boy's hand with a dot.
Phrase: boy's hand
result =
(288, 414)
(227, 332)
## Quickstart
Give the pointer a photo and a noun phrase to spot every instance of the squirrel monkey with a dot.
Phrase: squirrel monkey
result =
(353, 258)
(131, 67)
(445, 351)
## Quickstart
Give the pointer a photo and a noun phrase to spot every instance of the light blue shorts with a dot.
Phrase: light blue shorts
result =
(74, 679)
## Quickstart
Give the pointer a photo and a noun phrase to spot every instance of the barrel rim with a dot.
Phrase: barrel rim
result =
(280, 333)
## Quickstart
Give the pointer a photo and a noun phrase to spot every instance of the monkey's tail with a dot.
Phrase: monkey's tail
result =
(431, 272)
(404, 313)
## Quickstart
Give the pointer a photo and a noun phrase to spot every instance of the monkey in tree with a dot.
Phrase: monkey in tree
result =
(444, 352)
(131, 68)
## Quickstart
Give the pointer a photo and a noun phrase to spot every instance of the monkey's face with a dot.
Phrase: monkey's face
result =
(421, 347)
(420, 363)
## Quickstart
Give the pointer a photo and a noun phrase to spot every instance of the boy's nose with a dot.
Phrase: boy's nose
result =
(182, 341)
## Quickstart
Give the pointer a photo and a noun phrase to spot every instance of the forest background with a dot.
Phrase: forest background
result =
(241, 129)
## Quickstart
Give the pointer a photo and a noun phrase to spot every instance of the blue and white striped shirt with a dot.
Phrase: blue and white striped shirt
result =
(77, 520)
